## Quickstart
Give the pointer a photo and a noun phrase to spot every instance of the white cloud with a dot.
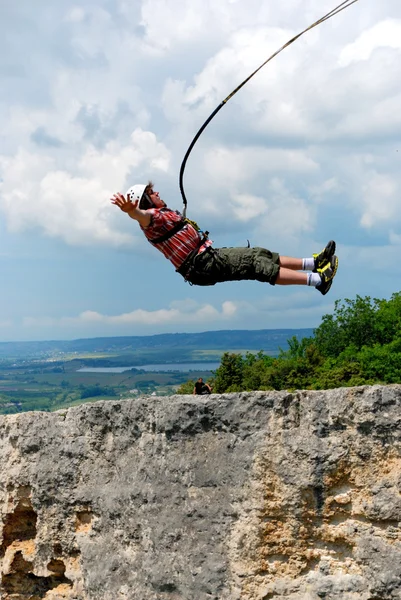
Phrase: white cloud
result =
(288, 215)
(307, 148)
(381, 200)
(34, 192)
(247, 207)
(274, 309)
(303, 96)
(75, 15)
(378, 261)
(236, 165)
(177, 313)
(112, 164)
(395, 238)
(181, 23)
(6, 324)
(167, 25)
(386, 34)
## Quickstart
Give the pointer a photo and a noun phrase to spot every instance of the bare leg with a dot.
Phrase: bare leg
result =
(288, 276)
(295, 264)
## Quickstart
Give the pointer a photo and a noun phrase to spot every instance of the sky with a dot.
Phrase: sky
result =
(98, 96)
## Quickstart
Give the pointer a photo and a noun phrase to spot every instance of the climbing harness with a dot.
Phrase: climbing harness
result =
(203, 235)
(330, 14)
(166, 236)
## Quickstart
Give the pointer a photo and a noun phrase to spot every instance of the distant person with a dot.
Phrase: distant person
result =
(201, 388)
(194, 258)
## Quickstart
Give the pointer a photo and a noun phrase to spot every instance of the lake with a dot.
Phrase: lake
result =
(182, 367)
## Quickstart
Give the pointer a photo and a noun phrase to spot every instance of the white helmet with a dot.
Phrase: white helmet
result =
(135, 192)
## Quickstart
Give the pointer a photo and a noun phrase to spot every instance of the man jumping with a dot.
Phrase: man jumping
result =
(199, 263)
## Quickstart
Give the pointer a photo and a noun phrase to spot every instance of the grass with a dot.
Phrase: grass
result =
(49, 385)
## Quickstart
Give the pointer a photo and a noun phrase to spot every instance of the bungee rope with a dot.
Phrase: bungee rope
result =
(329, 15)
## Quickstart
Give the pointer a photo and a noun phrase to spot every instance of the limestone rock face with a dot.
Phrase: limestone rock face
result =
(252, 496)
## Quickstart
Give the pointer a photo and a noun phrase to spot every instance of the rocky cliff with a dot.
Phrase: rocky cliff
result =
(253, 496)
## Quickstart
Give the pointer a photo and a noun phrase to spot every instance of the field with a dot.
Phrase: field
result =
(56, 384)
(45, 375)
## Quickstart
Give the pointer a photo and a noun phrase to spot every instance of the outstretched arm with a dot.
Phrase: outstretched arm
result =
(131, 208)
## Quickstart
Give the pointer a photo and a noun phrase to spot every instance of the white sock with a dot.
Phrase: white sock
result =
(314, 279)
(308, 264)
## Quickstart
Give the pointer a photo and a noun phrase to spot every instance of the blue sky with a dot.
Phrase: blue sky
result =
(97, 96)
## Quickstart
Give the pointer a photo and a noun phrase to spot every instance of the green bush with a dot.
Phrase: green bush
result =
(360, 343)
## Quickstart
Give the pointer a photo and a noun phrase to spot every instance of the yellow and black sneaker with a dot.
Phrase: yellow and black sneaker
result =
(323, 257)
(327, 274)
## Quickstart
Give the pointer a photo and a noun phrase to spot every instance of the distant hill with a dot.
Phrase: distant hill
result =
(262, 339)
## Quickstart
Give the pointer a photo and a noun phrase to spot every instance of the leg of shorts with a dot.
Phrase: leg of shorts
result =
(236, 264)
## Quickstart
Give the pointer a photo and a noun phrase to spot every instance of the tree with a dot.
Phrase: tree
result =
(254, 367)
(382, 363)
(360, 343)
(228, 376)
(353, 323)
(187, 387)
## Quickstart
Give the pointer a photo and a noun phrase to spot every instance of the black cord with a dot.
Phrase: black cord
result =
(329, 15)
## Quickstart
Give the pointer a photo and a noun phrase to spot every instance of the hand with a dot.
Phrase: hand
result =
(124, 203)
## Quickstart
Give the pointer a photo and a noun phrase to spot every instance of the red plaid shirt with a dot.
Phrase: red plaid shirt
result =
(182, 243)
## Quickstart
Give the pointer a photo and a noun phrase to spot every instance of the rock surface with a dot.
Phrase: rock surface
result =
(252, 496)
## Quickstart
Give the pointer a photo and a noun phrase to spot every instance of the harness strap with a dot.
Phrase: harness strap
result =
(186, 266)
(177, 227)
(169, 234)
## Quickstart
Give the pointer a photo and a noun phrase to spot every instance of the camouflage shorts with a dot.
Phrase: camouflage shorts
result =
(216, 265)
